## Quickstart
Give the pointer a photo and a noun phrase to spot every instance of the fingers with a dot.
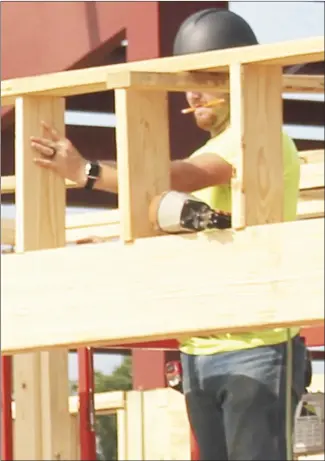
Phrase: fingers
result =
(44, 163)
(51, 132)
(43, 146)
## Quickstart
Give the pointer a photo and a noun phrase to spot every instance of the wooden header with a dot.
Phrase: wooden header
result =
(200, 81)
(266, 273)
(94, 79)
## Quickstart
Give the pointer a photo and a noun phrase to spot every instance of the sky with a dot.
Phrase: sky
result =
(279, 21)
(272, 22)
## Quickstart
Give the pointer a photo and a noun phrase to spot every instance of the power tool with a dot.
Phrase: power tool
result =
(174, 375)
(176, 212)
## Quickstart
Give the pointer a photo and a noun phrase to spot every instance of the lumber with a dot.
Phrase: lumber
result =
(201, 81)
(164, 81)
(258, 181)
(134, 425)
(265, 271)
(91, 80)
(312, 176)
(92, 218)
(142, 142)
(105, 231)
(312, 156)
(8, 184)
(303, 83)
(40, 379)
(40, 193)
(105, 403)
(104, 226)
(121, 420)
(311, 204)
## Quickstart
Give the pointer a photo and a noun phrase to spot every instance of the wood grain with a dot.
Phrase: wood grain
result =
(143, 161)
(256, 116)
(85, 81)
(265, 271)
(40, 379)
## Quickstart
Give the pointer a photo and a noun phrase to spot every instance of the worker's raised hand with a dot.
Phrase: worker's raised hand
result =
(58, 154)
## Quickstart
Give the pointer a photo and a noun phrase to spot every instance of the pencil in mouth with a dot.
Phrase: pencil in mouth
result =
(213, 103)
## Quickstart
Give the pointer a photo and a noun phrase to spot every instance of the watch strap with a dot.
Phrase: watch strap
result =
(93, 170)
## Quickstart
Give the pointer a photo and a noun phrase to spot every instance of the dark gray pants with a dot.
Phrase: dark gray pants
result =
(236, 401)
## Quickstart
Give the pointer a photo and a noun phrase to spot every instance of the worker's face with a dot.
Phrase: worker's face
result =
(209, 118)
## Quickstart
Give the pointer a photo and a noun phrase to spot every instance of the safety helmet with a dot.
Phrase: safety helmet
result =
(212, 29)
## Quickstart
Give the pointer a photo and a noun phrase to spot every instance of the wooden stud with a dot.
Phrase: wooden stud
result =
(42, 413)
(156, 425)
(28, 416)
(121, 420)
(256, 120)
(178, 424)
(134, 425)
(143, 161)
(40, 193)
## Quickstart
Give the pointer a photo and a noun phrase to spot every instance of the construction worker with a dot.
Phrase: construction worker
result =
(234, 384)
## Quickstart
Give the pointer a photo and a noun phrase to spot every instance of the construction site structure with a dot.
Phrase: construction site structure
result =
(272, 271)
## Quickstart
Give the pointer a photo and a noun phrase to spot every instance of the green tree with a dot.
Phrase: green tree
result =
(106, 429)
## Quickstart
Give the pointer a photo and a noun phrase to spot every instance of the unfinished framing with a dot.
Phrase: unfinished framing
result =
(267, 272)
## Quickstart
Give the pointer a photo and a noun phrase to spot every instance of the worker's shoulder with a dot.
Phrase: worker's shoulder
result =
(225, 146)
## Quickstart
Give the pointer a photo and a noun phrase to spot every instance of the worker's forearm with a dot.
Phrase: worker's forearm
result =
(108, 178)
(184, 177)
(108, 181)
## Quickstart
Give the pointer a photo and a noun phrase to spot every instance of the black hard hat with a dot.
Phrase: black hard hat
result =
(212, 29)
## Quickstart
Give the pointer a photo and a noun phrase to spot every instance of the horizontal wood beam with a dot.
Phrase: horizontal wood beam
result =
(91, 80)
(312, 156)
(105, 225)
(105, 403)
(102, 224)
(263, 271)
(104, 232)
(201, 81)
(313, 175)
(309, 206)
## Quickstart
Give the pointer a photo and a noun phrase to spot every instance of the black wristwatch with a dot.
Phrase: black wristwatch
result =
(93, 170)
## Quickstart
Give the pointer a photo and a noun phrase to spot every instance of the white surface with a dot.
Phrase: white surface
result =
(282, 20)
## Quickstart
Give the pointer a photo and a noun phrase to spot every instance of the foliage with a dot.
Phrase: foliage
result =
(106, 430)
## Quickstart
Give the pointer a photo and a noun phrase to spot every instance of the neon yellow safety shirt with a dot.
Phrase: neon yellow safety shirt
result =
(219, 197)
